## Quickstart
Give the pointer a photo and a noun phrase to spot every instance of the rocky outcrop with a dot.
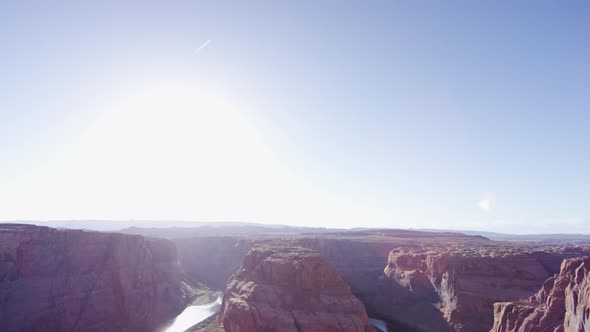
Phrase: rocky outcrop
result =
(562, 304)
(287, 288)
(455, 290)
(71, 280)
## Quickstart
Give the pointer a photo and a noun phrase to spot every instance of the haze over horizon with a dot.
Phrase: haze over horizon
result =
(463, 115)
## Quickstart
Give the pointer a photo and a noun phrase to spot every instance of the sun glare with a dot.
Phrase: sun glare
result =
(169, 151)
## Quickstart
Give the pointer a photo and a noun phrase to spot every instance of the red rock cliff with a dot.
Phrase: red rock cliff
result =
(286, 288)
(562, 304)
(461, 286)
(431, 282)
(71, 280)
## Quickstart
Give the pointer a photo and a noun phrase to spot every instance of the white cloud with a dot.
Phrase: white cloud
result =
(488, 202)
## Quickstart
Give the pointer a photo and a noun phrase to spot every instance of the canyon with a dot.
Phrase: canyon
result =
(58, 279)
(416, 281)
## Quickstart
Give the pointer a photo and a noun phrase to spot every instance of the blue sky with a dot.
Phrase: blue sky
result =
(428, 114)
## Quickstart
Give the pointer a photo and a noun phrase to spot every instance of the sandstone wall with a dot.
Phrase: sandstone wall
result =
(562, 304)
(72, 280)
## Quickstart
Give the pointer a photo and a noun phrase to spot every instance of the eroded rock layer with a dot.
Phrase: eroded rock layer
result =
(562, 304)
(288, 288)
(71, 280)
(460, 286)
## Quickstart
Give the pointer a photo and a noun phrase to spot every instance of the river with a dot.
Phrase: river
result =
(194, 314)
(378, 324)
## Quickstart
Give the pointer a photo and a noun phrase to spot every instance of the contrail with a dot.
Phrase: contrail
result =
(201, 47)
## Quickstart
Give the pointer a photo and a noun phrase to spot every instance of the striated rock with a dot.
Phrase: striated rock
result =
(71, 280)
(455, 290)
(288, 288)
(562, 304)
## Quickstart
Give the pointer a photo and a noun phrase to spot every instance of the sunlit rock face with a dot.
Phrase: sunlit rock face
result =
(287, 288)
(71, 280)
(455, 290)
(562, 304)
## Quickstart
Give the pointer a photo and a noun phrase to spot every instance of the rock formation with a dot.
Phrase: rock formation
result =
(287, 288)
(71, 280)
(461, 286)
(562, 304)
(434, 281)
(426, 281)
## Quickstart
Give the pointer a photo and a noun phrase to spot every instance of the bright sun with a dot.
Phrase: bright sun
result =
(170, 151)
(176, 150)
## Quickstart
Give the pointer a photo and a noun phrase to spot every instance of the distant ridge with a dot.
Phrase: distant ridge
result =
(513, 237)
(180, 228)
